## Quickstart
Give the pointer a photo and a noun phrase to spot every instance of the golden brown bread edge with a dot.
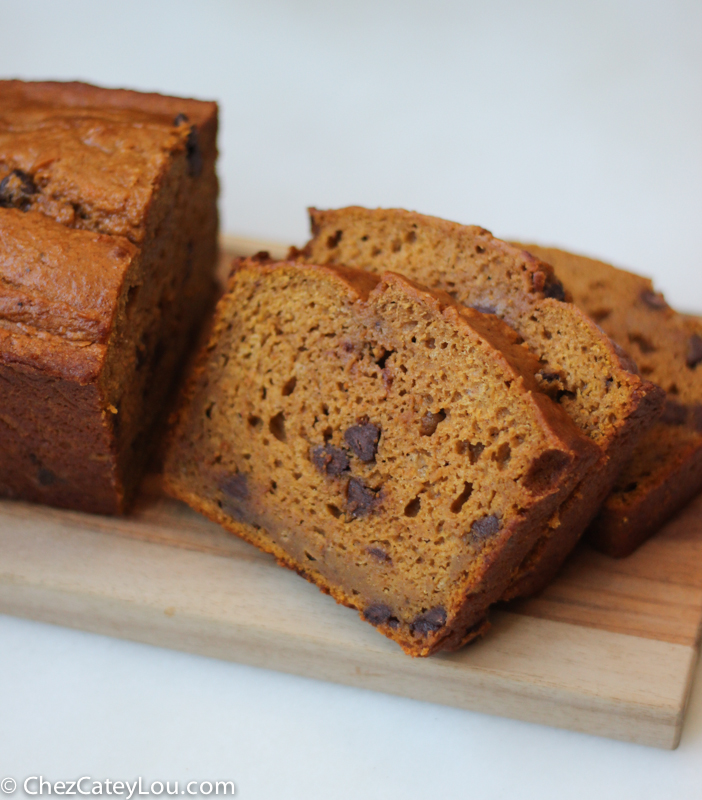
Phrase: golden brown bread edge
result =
(65, 439)
(486, 273)
(665, 470)
(468, 620)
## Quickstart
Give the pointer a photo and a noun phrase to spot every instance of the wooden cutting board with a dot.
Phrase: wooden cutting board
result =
(609, 648)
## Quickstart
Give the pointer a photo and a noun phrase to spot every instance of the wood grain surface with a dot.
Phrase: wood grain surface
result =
(609, 648)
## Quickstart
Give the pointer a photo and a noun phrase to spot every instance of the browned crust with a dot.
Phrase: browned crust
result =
(620, 527)
(618, 530)
(76, 94)
(57, 426)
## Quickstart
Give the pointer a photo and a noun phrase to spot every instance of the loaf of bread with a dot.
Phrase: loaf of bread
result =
(108, 244)
(665, 470)
(386, 443)
(594, 382)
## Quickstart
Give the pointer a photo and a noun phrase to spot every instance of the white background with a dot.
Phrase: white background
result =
(576, 124)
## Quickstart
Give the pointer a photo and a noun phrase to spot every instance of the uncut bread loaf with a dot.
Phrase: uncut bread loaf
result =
(385, 443)
(593, 381)
(665, 469)
(108, 243)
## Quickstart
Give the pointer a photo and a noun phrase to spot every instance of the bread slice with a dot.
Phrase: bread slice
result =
(665, 469)
(382, 441)
(590, 376)
(108, 245)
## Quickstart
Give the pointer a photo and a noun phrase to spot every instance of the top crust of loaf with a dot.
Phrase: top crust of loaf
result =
(94, 158)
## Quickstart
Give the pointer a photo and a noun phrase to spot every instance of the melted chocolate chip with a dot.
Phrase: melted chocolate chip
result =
(235, 486)
(363, 440)
(380, 614)
(379, 554)
(16, 190)
(696, 417)
(484, 527)
(46, 477)
(554, 288)
(180, 119)
(330, 460)
(549, 377)
(360, 500)
(194, 153)
(674, 413)
(429, 621)
(654, 300)
(694, 351)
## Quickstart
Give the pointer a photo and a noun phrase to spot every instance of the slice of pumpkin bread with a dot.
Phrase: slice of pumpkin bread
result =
(665, 470)
(387, 444)
(594, 382)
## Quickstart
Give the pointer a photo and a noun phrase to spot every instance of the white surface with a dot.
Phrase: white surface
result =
(571, 123)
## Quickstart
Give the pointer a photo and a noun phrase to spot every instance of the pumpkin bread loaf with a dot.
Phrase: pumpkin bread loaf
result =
(387, 444)
(665, 470)
(108, 243)
(592, 379)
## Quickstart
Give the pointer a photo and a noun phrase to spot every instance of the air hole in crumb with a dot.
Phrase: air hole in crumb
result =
(410, 237)
(430, 343)
(255, 422)
(274, 487)
(208, 411)
(376, 251)
(333, 241)
(430, 422)
(460, 501)
(396, 246)
(277, 427)
(333, 510)
(412, 508)
(310, 557)
(479, 249)
(502, 455)
(132, 295)
(289, 387)
(327, 433)
(382, 361)
(645, 345)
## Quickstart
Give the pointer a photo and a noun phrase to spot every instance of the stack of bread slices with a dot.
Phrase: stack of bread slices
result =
(421, 419)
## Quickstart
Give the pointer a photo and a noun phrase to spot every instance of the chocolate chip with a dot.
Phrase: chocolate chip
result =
(180, 119)
(363, 440)
(654, 300)
(194, 153)
(46, 477)
(485, 526)
(694, 351)
(360, 500)
(16, 190)
(430, 422)
(380, 614)
(330, 460)
(429, 621)
(379, 554)
(554, 288)
(549, 377)
(235, 486)
(674, 413)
